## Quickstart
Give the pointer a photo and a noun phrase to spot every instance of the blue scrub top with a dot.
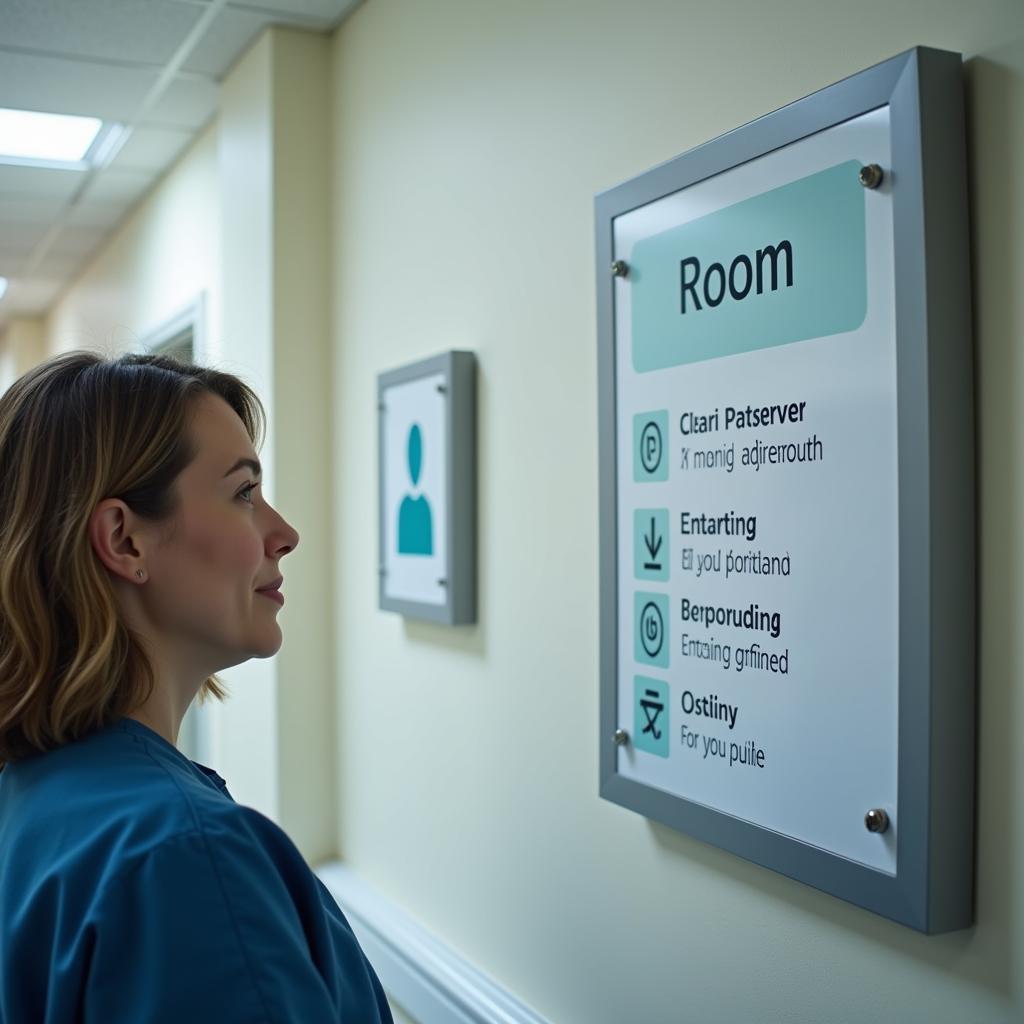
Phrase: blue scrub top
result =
(134, 890)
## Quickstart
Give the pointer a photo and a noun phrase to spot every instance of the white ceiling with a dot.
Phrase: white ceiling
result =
(154, 65)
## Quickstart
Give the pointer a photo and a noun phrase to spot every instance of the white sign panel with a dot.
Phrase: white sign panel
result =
(757, 541)
(415, 488)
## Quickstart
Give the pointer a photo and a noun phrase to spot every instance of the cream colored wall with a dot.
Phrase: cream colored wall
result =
(275, 200)
(247, 736)
(22, 346)
(302, 385)
(470, 140)
(243, 219)
(165, 254)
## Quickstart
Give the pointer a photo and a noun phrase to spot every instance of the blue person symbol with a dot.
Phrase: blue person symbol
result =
(415, 526)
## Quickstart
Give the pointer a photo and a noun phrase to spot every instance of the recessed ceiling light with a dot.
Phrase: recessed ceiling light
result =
(29, 135)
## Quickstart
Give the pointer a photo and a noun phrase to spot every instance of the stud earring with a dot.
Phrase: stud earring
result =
(140, 573)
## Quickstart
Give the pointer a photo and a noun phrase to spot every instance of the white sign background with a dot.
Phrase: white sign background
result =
(415, 577)
(829, 727)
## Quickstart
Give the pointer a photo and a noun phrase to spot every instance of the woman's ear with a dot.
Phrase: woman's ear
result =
(113, 533)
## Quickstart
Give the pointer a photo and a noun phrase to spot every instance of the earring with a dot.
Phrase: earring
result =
(140, 573)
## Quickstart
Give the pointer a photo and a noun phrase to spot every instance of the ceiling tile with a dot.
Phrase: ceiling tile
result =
(186, 103)
(225, 41)
(112, 186)
(22, 236)
(29, 298)
(60, 266)
(77, 241)
(45, 182)
(152, 149)
(29, 209)
(62, 86)
(147, 31)
(327, 11)
(89, 213)
(12, 261)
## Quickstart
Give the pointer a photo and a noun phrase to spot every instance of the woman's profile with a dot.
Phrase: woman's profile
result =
(137, 559)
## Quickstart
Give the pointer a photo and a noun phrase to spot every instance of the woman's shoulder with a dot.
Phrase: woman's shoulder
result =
(119, 835)
(91, 808)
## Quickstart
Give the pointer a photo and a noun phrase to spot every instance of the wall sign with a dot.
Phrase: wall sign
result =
(787, 567)
(427, 474)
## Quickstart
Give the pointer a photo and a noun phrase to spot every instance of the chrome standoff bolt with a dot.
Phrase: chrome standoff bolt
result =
(620, 268)
(621, 737)
(876, 820)
(871, 175)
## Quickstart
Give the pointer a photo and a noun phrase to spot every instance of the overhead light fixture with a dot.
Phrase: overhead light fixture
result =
(36, 136)
(53, 140)
(108, 144)
(3, 286)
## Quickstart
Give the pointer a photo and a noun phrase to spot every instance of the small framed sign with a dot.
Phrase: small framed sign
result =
(787, 493)
(427, 489)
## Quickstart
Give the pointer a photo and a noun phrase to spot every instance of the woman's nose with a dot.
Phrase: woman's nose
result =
(283, 538)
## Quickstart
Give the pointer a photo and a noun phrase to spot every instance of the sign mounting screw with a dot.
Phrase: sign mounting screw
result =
(876, 820)
(620, 268)
(621, 737)
(871, 175)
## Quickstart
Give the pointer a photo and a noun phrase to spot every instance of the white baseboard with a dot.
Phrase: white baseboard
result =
(430, 981)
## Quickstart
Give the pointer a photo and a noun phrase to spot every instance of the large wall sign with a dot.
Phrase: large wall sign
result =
(787, 493)
(427, 477)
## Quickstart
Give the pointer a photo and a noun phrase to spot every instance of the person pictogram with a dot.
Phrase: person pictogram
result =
(415, 522)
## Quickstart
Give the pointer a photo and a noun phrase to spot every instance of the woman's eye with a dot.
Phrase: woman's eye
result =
(246, 491)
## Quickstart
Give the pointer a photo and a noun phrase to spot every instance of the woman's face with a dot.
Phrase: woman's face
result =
(200, 591)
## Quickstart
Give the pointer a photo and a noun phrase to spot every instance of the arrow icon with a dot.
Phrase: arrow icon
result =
(653, 542)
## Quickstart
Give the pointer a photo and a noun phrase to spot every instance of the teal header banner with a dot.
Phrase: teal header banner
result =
(784, 266)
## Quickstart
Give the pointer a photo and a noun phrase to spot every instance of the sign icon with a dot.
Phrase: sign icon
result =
(653, 544)
(650, 543)
(652, 629)
(652, 709)
(651, 715)
(651, 616)
(650, 446)
(415, 528)
(650, 435)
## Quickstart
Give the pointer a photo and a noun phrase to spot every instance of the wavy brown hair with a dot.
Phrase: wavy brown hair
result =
(75, 430)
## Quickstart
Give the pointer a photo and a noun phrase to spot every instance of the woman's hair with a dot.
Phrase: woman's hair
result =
(75, 430)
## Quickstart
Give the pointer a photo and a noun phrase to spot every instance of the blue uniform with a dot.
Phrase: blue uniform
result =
(134, 890)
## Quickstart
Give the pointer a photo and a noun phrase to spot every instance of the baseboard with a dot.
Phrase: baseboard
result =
(430, 981)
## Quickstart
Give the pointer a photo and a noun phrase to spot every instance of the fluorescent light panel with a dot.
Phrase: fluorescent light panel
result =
(35, 136)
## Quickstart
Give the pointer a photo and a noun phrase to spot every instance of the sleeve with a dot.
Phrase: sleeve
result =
(202, 928)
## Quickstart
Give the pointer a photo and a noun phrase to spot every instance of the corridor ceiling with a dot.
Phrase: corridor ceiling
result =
(154, 66)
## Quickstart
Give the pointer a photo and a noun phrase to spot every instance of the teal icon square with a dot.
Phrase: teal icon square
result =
(650, 543)
(650, 446)
(650, 715)
(650, 622)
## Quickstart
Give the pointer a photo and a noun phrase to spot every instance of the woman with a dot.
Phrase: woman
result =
(137, 559)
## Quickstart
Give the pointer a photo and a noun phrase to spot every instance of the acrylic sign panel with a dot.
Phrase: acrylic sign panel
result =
(757, 493)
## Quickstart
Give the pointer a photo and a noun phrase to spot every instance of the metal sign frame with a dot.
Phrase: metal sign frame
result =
(932, 890)
(459, 371)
